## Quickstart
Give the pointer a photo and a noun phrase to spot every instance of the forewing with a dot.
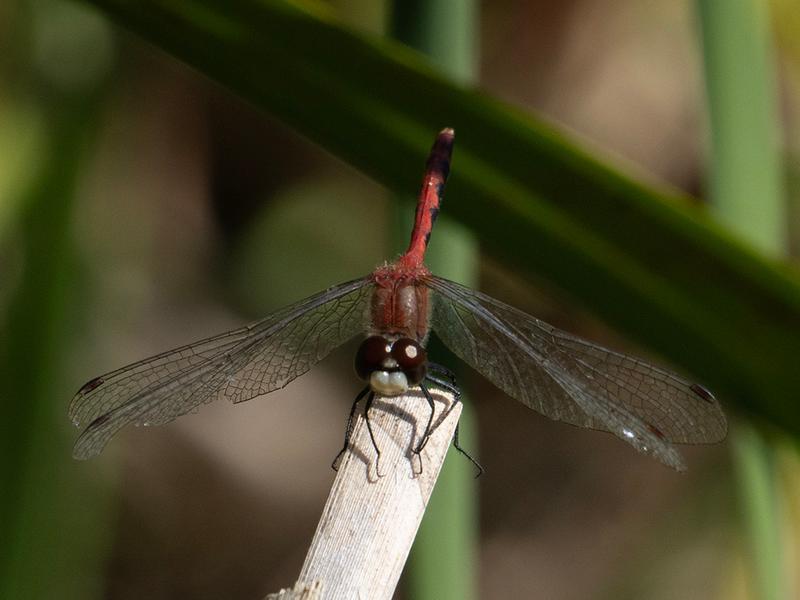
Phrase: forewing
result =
(239, 365)
(572, 380)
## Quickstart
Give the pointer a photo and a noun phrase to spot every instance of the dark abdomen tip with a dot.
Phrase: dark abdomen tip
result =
(439, 158)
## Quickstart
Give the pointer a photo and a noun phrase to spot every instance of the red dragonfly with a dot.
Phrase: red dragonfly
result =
(396, 307)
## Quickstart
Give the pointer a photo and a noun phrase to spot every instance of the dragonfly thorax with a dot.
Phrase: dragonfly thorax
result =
(391, 366)
(399, 303)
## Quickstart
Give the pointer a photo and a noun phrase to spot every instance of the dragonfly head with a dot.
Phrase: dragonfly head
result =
(391, 366)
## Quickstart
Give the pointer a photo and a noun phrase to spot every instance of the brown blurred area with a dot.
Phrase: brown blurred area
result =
(199, 213)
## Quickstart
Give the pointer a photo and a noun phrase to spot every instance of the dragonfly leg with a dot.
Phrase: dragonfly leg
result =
(458, 447)
(442, 370)
(446, 385)
(427, 433)
(370, 400)
(349, 430)
(450, 386)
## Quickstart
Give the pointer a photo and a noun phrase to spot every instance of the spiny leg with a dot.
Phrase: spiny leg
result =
(442, 370)
(349, 430)
(427, 433)
(448, 386)
(370, 400)
(458, 447)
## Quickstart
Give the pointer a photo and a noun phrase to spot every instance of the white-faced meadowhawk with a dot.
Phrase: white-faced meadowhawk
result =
(396, 307)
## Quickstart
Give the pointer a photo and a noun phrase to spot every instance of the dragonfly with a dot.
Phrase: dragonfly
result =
(395, 309)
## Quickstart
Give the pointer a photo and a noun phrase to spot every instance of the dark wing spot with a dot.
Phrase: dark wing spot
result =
(101, 420)
(655, 431)
(91, 385)
(439, 191)
(702, 392)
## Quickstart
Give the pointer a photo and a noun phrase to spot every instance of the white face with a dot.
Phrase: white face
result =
(391, 364)
(388, 383)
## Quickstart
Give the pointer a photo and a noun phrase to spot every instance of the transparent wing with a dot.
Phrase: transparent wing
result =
(572, 380)
(239, 365)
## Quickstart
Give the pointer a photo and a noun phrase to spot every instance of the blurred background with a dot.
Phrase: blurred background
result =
(143, 207)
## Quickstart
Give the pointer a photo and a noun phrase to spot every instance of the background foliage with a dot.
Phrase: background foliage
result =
(142, 206)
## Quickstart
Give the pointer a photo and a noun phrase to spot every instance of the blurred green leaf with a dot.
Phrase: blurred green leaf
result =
(52, 520)
(747, 194)
(643, 259)
(21, 133)
(50, 514)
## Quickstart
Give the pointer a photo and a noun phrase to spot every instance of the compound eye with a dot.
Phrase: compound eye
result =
(408, 354)
(371, 353)
(411, 358)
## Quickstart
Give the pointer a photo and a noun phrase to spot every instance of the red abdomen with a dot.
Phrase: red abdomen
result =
(400, 306)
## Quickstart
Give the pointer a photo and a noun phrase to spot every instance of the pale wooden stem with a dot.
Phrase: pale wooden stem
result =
(369, 521)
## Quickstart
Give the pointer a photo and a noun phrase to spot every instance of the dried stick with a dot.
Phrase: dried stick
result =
(375, 506)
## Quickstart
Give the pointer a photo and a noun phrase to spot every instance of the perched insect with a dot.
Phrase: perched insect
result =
(557, 374)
